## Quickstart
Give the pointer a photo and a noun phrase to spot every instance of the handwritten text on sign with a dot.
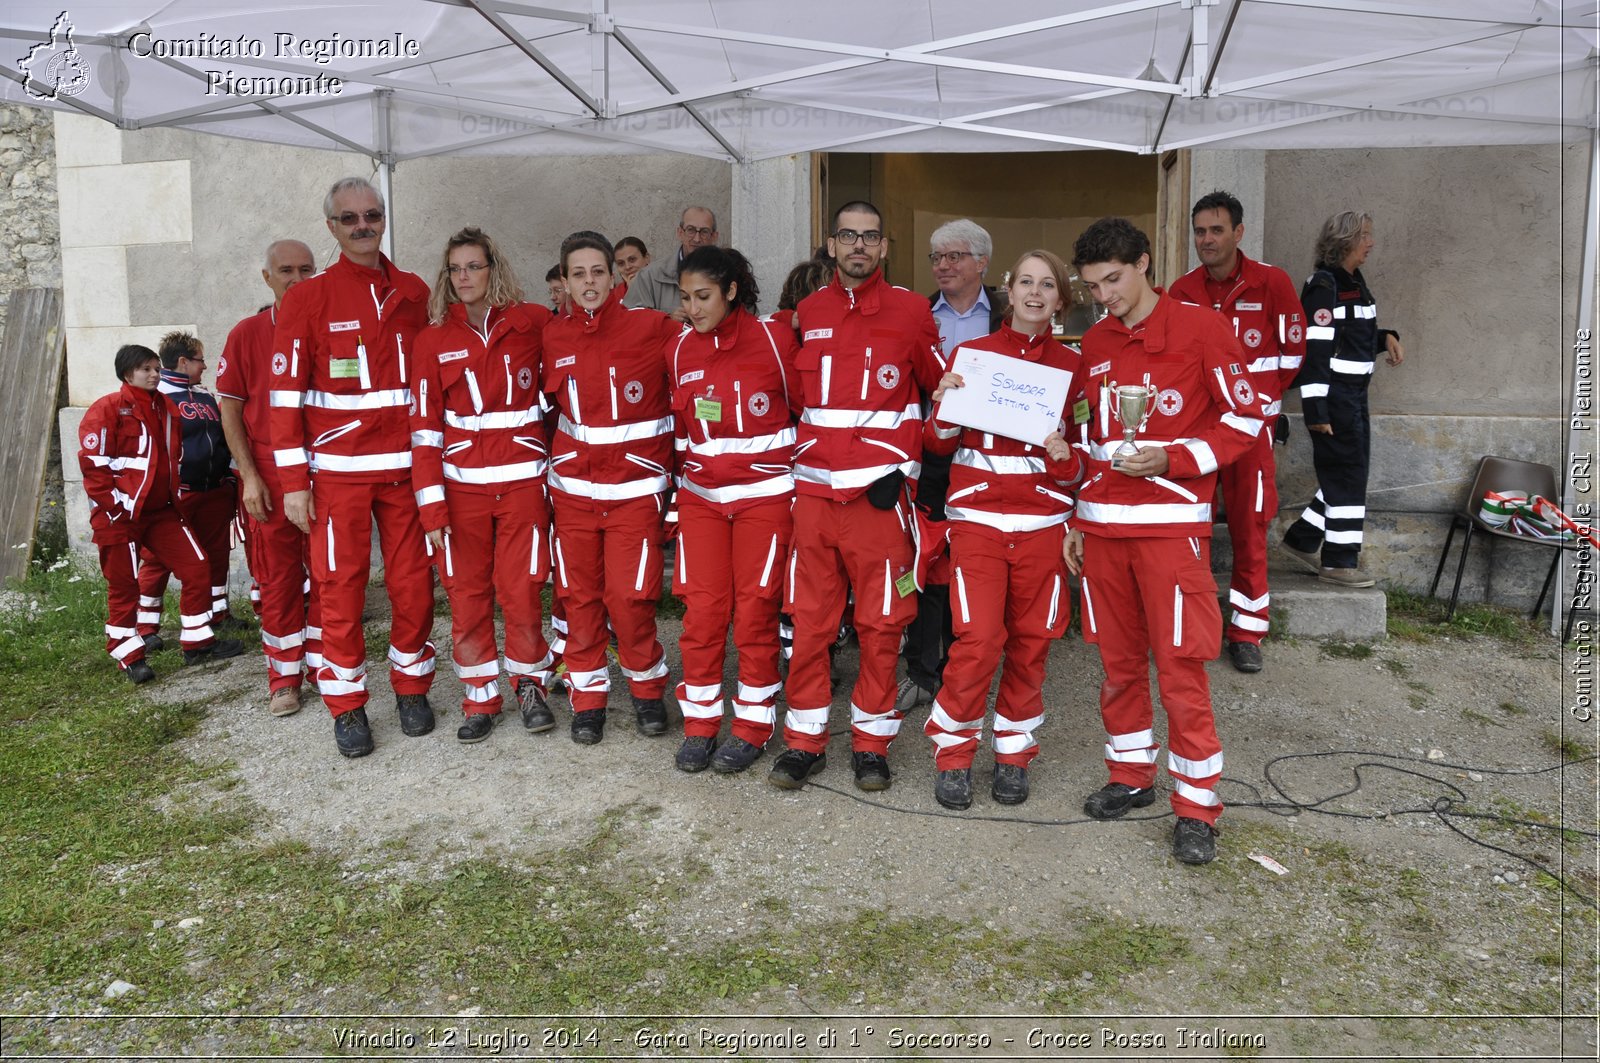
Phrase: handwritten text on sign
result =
(1007, 396)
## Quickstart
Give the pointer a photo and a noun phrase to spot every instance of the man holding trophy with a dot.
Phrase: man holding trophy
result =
(1170, 401)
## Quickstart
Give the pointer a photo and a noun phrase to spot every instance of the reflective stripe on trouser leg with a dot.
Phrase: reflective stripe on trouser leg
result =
(762, 535)
(702, 708)
(706, 586)
(119, 563)
(1250, 496)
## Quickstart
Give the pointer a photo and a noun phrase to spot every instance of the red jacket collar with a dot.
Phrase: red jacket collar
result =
(1152, 331)
(726, 334)
(864, 296)
(1032, 347)
(409, 285)
(608, 309)
(517, 316)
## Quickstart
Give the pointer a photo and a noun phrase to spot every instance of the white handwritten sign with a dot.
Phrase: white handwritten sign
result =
(1007, 396)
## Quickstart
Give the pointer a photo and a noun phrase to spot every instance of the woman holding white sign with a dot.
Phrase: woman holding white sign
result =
(1008, 506)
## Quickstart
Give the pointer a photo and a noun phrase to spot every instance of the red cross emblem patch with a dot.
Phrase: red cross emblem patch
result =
(1323, 316)
(1252, 337)
(1243, 393)
(633, 391)
(1169, 402)
(759, 404)
(888, 377)
(280, 364)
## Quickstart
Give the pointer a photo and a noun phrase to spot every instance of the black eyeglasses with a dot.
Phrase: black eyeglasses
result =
(694, 232)
(462, 271)
(952, 257)
(872, 237)
(350, 217)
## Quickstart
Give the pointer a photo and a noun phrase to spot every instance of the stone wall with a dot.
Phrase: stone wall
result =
(30, 234)
(30, 257)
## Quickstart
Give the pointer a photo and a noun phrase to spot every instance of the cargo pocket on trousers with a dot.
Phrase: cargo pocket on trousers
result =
(1196, 616)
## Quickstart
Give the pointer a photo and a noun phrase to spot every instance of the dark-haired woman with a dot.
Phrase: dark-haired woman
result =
(735, 401)
(478, 469)
(610, 463)
(129, 447)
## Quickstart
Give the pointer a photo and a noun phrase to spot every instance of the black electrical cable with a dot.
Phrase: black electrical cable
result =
(1441, 808)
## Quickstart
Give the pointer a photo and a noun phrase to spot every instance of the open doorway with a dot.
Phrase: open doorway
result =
(1024, 199)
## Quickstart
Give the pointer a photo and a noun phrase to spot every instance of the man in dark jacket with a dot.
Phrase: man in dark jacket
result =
(208, 493)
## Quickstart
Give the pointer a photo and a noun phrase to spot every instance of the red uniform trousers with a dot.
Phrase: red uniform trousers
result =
(498, 548)
(209, 517)
(1250, 500)
(608, 561)
(289, 604)
(839, 546)
(1144, 596)
(162, 533)
(1008, 593)
(341, 555)
(731, 567)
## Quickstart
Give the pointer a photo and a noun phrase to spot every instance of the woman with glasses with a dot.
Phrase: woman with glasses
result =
(735, 400)
(610, 463)
(479, 471)
(1007, 511)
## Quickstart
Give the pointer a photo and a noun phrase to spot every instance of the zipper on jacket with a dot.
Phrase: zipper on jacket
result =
(827, 376)
(361, 364)
(866, 374)
(614, 415)
(738, 407)
(400, 355)
(472, 386)
(507, 357)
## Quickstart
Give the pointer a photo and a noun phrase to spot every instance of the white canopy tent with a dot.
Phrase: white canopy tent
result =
(748, 80)
(745, 80)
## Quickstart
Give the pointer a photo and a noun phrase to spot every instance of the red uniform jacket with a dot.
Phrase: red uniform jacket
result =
(1206, 412)
(607, 375)
(1261, 303)
(341, 380)
(735, 400)
(477, 420)
(869, 354)
(244, 372)
(1004, 483)
(126, 440)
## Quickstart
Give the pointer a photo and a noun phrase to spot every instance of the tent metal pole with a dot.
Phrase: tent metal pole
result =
(1578, 458)
(382, 102)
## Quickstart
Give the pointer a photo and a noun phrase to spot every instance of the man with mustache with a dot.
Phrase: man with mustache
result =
(341, 435)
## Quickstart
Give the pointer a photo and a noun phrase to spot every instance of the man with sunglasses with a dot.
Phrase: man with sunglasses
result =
(341, 435)
(656, 284)
(870, 353)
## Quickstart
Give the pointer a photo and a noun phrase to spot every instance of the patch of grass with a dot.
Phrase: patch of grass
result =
(1393, 666)
(1479, 718)
(1565, 747)
(1511, 708)
(1355, 651)
(1417, 618)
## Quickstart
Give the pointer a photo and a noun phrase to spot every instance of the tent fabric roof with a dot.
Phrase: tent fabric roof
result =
(752, 79)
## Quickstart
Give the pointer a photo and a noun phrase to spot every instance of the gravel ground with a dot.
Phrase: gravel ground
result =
(1391, 934)
(1380, 910)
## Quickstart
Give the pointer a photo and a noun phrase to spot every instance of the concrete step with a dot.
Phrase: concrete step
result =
(1304, 606)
